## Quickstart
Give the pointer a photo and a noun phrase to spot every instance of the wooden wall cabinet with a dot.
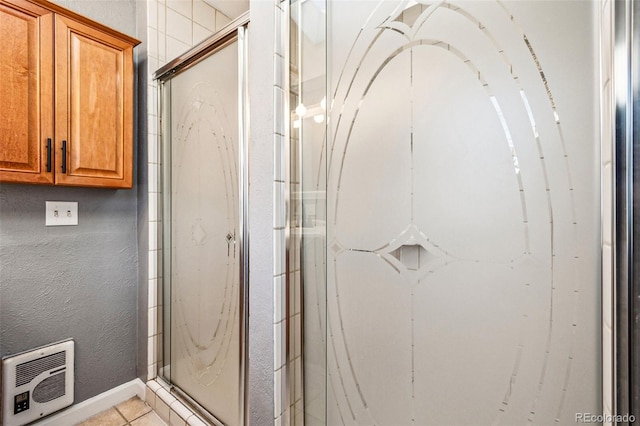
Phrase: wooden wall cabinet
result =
(67, 85)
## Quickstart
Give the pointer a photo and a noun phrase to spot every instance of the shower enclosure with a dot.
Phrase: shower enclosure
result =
(204, 190)
(444, 187)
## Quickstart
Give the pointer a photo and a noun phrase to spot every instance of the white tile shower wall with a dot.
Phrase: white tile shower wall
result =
(173, 27)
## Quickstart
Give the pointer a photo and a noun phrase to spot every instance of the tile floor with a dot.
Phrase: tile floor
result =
(133, 412)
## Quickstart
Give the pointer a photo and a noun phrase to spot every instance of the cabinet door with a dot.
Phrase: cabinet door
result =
(26, 90)
(94, 102)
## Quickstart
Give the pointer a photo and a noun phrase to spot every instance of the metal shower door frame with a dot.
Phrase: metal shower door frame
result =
(235, 31)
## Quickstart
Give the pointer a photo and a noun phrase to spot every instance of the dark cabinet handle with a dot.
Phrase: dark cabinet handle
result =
(64, 156)
(48, 154)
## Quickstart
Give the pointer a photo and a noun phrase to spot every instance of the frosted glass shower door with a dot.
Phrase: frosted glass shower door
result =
(462, 251)
(203, 210)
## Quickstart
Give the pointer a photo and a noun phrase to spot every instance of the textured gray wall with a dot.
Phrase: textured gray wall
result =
(261, 155)
(77, 281)
(74, 281)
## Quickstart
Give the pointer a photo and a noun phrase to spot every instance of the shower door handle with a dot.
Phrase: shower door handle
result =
(231, 238)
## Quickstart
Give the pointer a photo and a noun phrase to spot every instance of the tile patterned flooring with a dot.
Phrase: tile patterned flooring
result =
(133, 412)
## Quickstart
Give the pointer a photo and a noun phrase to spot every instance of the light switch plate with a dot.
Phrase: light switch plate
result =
(61, 213)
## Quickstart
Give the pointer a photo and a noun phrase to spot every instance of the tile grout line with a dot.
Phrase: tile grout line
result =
(121, 415)
(128, 422)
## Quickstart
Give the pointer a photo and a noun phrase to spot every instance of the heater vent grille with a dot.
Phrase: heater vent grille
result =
(50, 388)
(28, 371)
(36, 383)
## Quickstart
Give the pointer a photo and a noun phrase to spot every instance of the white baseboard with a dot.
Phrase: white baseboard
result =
(80, 412)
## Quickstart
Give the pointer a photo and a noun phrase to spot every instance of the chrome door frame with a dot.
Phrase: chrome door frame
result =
(236, 30)
(626, 261)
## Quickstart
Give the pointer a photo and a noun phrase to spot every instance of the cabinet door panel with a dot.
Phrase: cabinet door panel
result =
(26, 91)
(93, 106)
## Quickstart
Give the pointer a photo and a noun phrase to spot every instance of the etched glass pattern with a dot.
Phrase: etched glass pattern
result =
(205, 310)
(462, 211)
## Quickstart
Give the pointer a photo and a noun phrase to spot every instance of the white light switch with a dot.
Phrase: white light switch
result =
(61, 213)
